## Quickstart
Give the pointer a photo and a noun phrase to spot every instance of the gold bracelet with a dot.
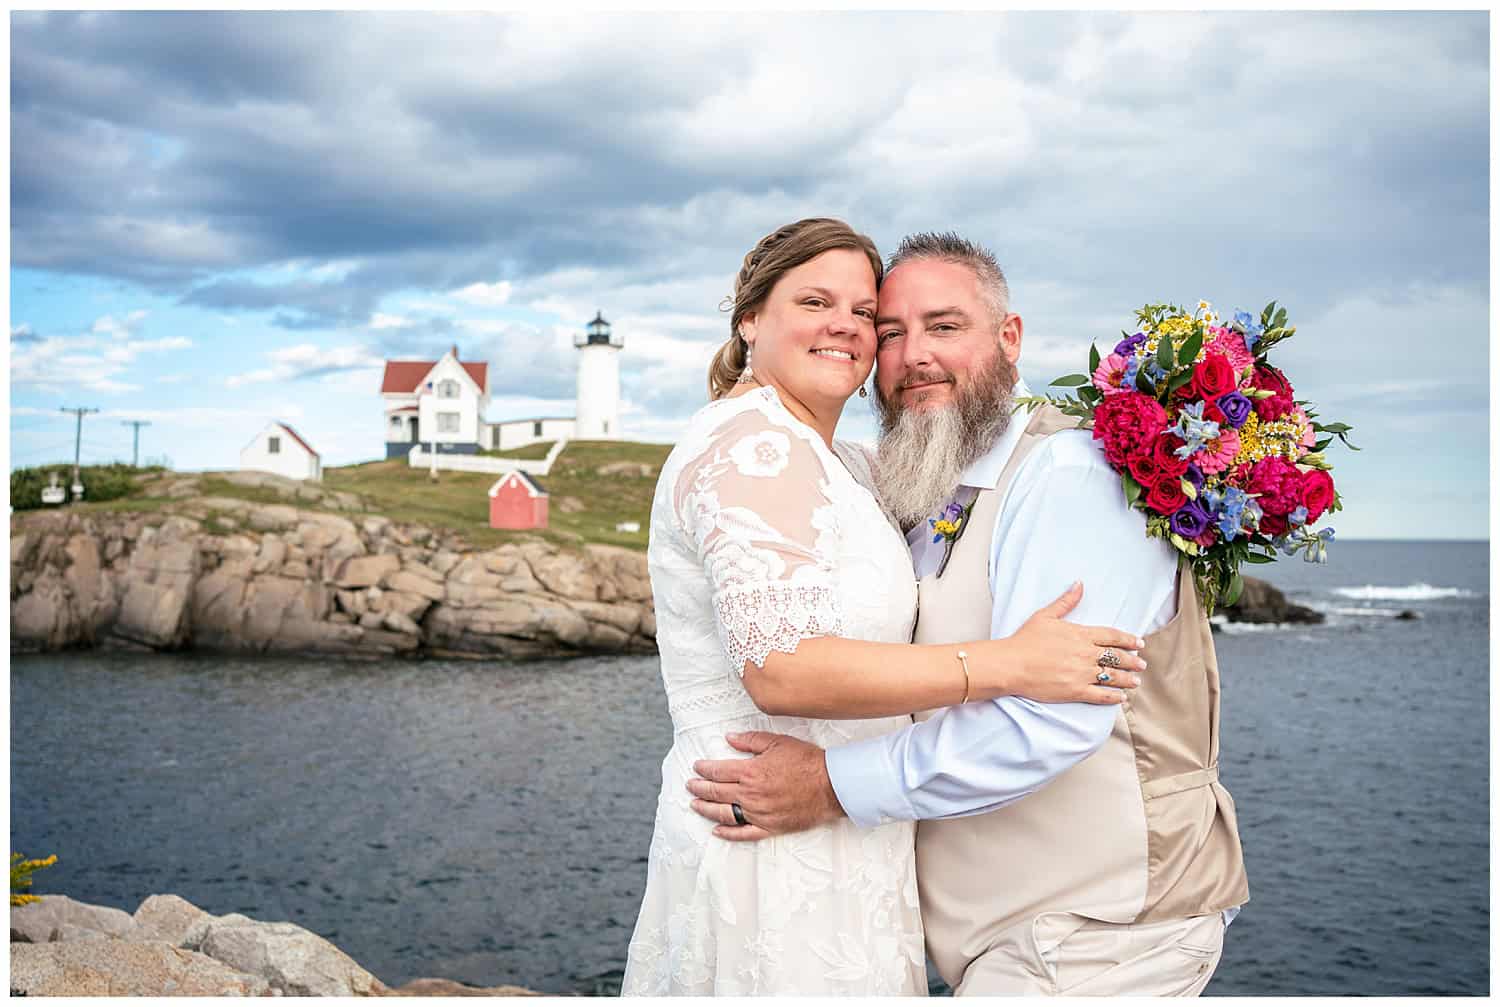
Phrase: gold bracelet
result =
(963, 659)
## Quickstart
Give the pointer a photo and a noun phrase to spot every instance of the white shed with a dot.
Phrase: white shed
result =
(280, 449)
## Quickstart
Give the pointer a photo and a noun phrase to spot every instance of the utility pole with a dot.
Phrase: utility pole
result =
(135, 451)
(78, 448)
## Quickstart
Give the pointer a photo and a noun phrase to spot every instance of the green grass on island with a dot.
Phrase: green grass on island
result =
(584, 503)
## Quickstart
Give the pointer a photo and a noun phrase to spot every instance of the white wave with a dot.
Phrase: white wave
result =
(1223, 625)
(1411, 592)
(1384, 613)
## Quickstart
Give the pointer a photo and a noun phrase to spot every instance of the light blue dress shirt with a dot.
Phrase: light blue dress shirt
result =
(1062, 519)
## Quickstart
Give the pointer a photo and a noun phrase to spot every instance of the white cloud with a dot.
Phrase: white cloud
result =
(308, 360)
(118, 328)
(380, 320)
(486, 295)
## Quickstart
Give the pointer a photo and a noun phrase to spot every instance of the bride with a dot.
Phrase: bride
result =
(784, 602)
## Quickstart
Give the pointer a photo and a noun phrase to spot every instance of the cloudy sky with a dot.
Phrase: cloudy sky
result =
(216, 221)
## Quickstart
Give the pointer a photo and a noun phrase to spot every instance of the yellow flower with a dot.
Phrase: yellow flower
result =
(945, 527)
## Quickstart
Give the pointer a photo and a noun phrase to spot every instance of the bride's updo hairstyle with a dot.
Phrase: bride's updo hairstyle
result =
(783, 249)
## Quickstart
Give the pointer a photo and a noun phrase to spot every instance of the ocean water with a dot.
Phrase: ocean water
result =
(488, 822)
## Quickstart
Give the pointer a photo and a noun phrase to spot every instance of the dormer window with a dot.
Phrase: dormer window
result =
(447, 389)
(273, 445)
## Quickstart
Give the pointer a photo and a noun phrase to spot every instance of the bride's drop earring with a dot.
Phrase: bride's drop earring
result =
(864, 393)
(747, 376)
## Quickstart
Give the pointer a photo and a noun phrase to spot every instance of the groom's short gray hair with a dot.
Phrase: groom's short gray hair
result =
(947, 246)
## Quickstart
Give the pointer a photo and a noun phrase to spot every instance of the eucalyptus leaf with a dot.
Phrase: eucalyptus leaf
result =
(1071, 380)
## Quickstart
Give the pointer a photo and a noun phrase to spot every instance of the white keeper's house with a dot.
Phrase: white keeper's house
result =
(280, 449)
(443, 402)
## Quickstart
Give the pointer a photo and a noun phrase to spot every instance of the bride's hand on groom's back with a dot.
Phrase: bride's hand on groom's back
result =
(782, 788)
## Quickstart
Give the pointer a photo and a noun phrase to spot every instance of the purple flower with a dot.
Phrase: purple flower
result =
(1190, 520)
(1235, 407)
(953, 512)
(1128, 345)
(1194, 475)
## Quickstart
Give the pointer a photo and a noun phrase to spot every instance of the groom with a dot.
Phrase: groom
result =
(1120, 870)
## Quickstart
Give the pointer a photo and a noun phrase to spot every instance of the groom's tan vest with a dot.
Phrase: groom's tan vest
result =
(1139, 832)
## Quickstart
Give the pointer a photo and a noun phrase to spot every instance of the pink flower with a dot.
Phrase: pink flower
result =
(1217, 454)
(1309, 438)
(1208, 538)
(1232, 345)
(1110, 377)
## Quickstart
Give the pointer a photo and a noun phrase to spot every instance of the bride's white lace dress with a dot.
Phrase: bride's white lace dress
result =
(762, 537)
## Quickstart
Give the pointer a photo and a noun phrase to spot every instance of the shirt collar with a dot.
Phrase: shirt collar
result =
(984, 472)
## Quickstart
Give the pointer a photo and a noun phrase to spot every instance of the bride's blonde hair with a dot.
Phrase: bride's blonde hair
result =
(783, 249)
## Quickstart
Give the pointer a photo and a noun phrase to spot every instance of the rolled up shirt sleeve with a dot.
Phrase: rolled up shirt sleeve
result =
(1064, 519)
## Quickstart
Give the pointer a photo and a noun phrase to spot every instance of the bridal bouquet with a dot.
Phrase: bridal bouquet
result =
(1209, 441)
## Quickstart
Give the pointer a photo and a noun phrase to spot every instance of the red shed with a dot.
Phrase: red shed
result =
(518, 501)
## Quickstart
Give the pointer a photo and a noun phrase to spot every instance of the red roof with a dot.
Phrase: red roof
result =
(298, 438)
(404, 375)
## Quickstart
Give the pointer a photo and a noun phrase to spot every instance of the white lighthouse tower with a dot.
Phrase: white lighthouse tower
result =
(598, 415)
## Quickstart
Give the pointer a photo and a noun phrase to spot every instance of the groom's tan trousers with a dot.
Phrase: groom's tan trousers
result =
(1061, 954)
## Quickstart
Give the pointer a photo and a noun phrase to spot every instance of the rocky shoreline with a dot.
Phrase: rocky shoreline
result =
(170, 947)
(230, 575)
(220, 573)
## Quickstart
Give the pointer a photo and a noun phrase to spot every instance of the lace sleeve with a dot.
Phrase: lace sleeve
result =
(756, 505)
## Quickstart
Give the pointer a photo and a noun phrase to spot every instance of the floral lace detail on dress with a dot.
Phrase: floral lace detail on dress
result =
(757, 504)
(757, 619)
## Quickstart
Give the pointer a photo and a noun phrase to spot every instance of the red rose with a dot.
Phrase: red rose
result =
(1163, 452)
(1212, 412)
(1316, 493)
(1145, 470)
(1213, 376)
(1166, 496)
(1127, 424)
(1269, 379)
(1273, 524)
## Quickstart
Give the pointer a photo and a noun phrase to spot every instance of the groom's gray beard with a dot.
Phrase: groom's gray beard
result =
(923, 452)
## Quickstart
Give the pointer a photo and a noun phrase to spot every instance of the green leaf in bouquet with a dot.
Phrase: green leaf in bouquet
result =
(1236, 585)
(1071, 381)
(1165, 358)
(1132, 489)
(1143, 384)
(1178, 380)
(1090, 394)
(1333, 428)
(1259, 557)
(1190, 348)
(1189, 490)
(1322, 445)
(1093, 359)
(1266, 314)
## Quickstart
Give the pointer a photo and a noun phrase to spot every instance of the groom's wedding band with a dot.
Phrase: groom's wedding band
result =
(1108, 659)
(1103, 677)
(739, 815)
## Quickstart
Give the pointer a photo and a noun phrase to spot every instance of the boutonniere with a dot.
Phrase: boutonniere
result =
(950, 527)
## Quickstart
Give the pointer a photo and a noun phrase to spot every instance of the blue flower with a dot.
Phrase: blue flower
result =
(1132, 368)
(1297, 517)
(1194, 430)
